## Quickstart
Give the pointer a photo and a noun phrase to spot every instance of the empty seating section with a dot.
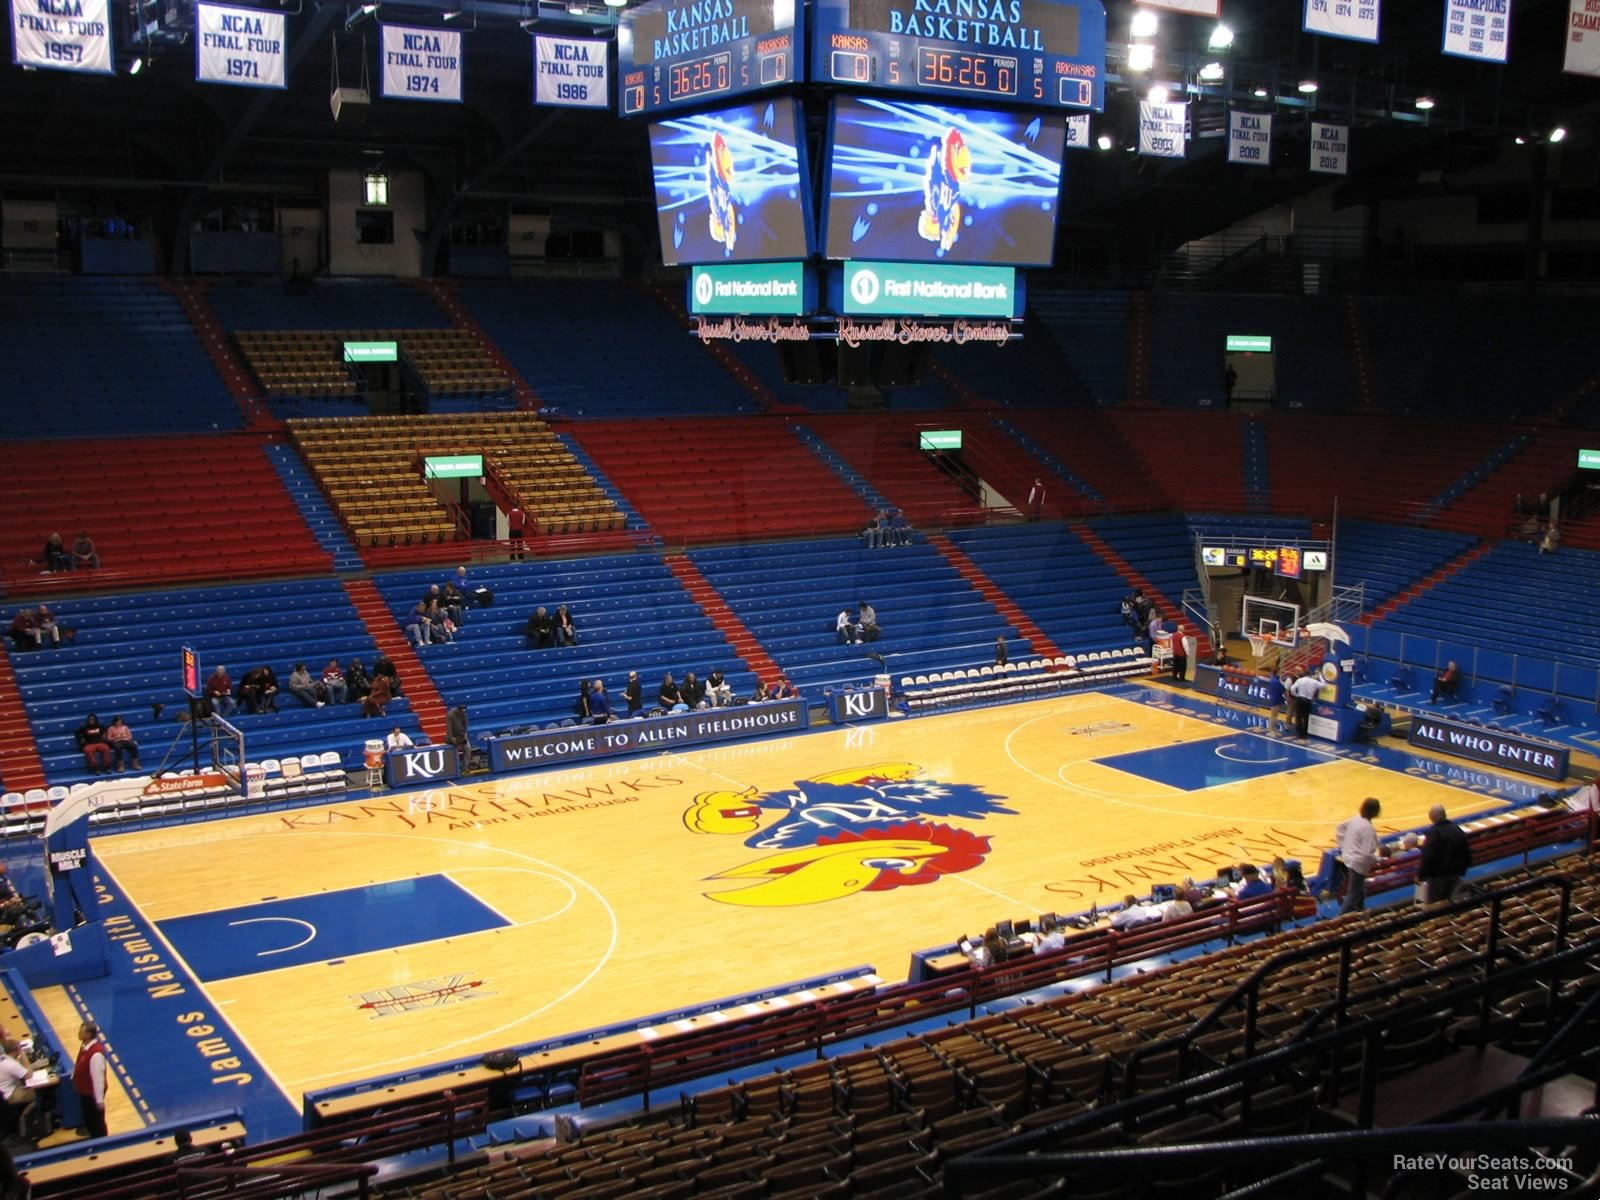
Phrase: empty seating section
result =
(883, 447)
(1031, 371)
(789, 596)
(369, 468)
(630, 613)
(709, 480)
(1095, 448)
(311, 362)
(126, 658)
(329, 304)
(1387, 559)
(886, 1120)
(1311, 349)
(1091, 330)
(1160, 548)
(1197, 456)
(594, 348)
(1477, 358)
(86, 357)
(1543, 463)
(157, 511)
(1064, 586)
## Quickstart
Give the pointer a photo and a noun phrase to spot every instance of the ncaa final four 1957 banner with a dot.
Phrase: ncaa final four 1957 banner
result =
(68, 35)
(241, 46)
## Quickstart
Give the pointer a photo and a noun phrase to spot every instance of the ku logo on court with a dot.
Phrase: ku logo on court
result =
(862, 829)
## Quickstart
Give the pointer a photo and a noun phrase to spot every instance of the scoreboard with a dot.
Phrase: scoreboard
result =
(1039, 53)
(675, 53)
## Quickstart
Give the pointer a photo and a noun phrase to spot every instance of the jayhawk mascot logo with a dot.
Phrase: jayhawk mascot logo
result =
(863, 829)
(719, 192)
(949, 167)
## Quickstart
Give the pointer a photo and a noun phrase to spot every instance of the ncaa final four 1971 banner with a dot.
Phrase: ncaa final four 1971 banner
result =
(421, 64)
(68, 35)
(241, 46)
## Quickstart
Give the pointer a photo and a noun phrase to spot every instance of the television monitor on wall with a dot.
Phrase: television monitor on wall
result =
(908, 181)
(731, 185)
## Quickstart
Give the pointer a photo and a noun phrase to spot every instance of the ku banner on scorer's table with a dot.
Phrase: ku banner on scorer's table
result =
(66, 35)
(1354, 19)
(1250, 138)
(1161, 129)
(1583, 39)
(420, 64)
(570, 72)
(1478, 29)
(1330, 149)
(244, 47)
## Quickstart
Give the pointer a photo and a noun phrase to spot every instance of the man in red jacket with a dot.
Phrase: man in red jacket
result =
(89, 1079)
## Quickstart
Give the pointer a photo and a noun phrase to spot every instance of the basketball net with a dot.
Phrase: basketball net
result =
(1258, 643)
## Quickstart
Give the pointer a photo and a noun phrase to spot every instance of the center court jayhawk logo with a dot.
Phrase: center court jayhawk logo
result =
(862, 829)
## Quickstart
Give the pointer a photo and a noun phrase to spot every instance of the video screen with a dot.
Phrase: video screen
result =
(731, 185)
(915, 182)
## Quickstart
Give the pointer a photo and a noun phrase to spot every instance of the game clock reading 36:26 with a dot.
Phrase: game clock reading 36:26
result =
(701, 77)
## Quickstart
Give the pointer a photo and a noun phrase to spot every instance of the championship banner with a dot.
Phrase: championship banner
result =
(1250, 138)
(244, 47)
(1078, 129)
(67, 35)
(1478, 29)
(1583, 39)
(1161, 129)
(1200, 8)
(570, 72)
(1353, 19)
(1330, 149)
(420, 64)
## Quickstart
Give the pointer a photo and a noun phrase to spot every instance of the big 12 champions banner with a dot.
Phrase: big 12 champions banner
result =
(1478, 29)
(1583, 39)
(570, 72)
(240, 46)
(68, 35)
(421, 64)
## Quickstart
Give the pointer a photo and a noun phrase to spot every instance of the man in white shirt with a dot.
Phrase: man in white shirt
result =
(13, 1086)
(1359, 850)
(1050, 938)
(1304, 690)
(1134, 914)
(398, 739)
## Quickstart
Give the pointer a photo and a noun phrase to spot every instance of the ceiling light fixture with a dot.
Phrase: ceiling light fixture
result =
(577, 9)
(616, 3)
(1104, 141)
(1221, 38)
(1558, 134)
(1424, 103)
(1211, 72)
(1144, 24)
(1158, 93)
(451, 14)
(1141, 56)
(1260, 93)
(137, 65)
(1307, 87)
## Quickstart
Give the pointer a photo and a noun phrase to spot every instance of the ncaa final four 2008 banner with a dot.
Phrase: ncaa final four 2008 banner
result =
(1250, 138)
(570, 72)
(1583, 39)
(67, 35)
(421, 64)
(240, 46)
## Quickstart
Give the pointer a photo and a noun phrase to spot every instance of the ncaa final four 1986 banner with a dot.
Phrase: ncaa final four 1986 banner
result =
(67, 35)
(571, 72)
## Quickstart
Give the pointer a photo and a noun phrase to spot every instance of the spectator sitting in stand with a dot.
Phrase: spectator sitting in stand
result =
(454, 604)
(693, 692)
(91, 739)
(334, 688)
(418, 628)
(899, 529)
(669, 697)
(718, 690)
(867, 620)
(1250, 883)
(1050, 938)
(84, 556)
(51, 632)
(872, 535)
(440, 627)
(1287, 876)
(1133, 914)
(356, 680)
(258, 690)
(377, 698)
(846, 628)
(219, 691)
(123, 748)
(541, 630)
(27, 633)
(762, 693)
(566, 631)
(385, 666)
(1446, 683)
(1551, 541)
(54, 555)
(783, 690)
(302, 687)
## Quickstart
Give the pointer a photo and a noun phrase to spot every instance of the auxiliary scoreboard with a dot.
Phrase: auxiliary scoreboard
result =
(676, 53)
(1040, 53)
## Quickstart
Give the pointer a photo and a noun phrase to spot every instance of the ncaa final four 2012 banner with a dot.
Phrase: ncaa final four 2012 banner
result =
(1354, 19)
(421, 64)
(1162, 128)
(1478, 29)
(1583, 39)
(1330, 148)
(570, 72)
(67, 35)
(240, 46)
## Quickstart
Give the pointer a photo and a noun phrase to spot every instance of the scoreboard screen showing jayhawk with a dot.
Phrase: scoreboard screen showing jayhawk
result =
(1038, 53)
(672, 54)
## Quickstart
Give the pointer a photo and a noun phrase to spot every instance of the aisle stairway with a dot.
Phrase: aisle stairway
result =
(1040, 644)
(449, 302)
(20, 765)
(219, 348)
(1168, 610)
(745, 643)
(391, 639)
(313, 506)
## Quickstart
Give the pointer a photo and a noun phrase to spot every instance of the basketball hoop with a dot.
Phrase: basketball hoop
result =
(1258, 643)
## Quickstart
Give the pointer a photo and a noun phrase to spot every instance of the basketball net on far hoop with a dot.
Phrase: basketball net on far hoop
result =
(1258, 644)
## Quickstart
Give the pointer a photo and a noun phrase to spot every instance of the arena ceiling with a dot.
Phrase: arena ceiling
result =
(158, 130)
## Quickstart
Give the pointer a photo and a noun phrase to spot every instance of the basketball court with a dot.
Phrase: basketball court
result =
(260, 957)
